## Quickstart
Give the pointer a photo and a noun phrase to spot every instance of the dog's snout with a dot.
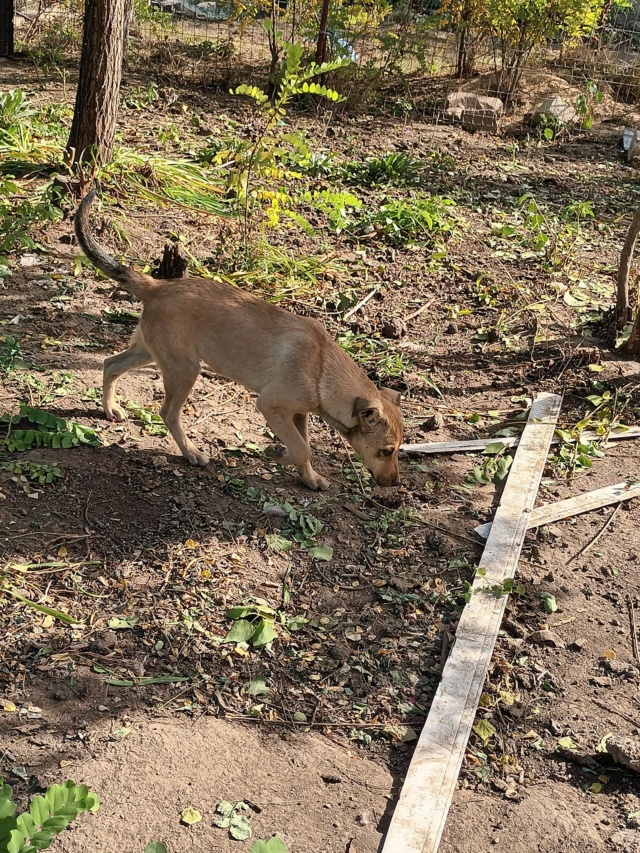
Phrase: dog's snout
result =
(388, 481)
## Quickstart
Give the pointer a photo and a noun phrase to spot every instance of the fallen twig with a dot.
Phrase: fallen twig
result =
(361, 304)
(419, 311)
(634, 629)
(593, 541)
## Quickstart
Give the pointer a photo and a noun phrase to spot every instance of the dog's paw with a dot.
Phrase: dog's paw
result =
(115, 413)
(196, 457)
(275, 451)
(317, 483)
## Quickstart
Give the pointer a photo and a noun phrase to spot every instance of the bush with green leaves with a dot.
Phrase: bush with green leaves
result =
(418, 219)
(31, 472)
(262, 160)
(46, 817)
(48, 431)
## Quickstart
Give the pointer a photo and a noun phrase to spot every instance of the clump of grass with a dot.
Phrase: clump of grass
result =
(172, 181)
(393, 169)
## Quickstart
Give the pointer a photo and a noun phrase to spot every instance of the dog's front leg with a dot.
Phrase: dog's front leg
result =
(291, 429)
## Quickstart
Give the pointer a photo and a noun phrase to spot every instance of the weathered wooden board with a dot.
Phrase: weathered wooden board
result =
(585, 502)
(421, 812)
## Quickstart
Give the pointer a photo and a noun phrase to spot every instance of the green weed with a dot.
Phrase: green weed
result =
(392, 169)
(374, 353)
(47, 816)
(47, 431)
(421, 219)
(31, 472)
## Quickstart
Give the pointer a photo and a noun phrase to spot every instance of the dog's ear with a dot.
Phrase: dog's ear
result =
(390, 394)
(367, 411)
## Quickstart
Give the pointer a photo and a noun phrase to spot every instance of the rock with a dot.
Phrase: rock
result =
(625, 751)
(476, 112)
(600, 681)
(463, 101)
(546, 638)
(578, 644)
(626, 841)
(633, 151)
(452, 329)
(433, 423)
(620, 668)
(394, 329)
(555, 108)
(29, 261)
(486, 120)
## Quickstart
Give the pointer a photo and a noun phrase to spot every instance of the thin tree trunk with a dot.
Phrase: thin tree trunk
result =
(106, 25)
(623, 309)
(321, 48)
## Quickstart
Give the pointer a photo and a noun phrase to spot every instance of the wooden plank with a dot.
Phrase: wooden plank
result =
(568, 507)
(419, 818)
(479, 444)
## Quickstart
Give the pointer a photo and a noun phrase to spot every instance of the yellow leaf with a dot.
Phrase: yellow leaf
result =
(610, 654)
(191, 544)
(62, 551)
(190, 816)
(47, 622)
(9, 707)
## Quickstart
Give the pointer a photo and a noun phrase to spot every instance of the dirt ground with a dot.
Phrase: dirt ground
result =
(143, 700)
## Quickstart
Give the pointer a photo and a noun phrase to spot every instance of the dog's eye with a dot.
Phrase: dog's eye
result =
(388, 451)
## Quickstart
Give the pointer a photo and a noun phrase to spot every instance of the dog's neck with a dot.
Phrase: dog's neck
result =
(343, 429)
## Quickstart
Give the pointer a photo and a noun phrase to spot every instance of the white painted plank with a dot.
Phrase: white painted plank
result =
(577, 505)
(479, 444)
(420, 815)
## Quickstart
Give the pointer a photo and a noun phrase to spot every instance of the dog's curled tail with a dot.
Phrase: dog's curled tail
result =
(136, 283)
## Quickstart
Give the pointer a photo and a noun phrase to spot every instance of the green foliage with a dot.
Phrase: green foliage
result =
(421, 218)
(34, 472)
(273, 845)
(48, 431)
(234, 818)
(587, 102)
(152, 422)
(47, 816)
(374, 353)
(394, 169)
(263, 159)
(10, 353)
(495, 467)
(518, 27)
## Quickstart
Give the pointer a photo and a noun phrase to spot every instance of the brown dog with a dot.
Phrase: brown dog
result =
(290, 361)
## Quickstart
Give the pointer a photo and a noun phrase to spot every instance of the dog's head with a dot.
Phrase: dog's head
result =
(378, 435)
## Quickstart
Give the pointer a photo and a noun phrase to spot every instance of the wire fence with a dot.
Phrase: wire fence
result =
(439, 61)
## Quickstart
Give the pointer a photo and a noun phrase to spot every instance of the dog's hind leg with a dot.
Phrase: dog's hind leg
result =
(179, 379)
(116, 366)
(291, 429)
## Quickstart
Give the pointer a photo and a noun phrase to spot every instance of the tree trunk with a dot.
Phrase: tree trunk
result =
(106, 26)
(623, 309)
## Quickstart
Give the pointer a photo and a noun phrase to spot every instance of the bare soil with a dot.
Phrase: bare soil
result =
(133, 531)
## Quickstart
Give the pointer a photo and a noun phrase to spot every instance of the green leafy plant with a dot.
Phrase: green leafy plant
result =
(393, 169)
(374, 353)
(48, 431)
(152, 422)
(47, 816)
(587, 102)
(10, 353)
(257, 624)
(421, 218)
(263, 159)
(233, 818)
(495, 467)
(31, 472)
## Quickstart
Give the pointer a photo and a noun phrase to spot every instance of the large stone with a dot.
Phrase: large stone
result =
(486, 120)
(461, 102)
(633, 151)
(555, 108)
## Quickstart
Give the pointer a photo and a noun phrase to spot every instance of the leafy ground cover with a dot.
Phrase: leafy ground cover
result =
(133, 586)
